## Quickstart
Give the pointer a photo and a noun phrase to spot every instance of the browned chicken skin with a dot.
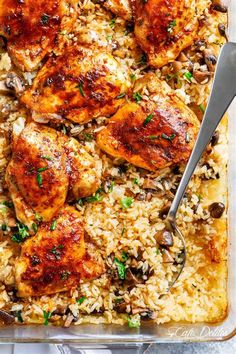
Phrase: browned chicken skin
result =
(80, 85)
(154, 134)
(45, 166)
(56, 259)
(163, 28)
(121, 8)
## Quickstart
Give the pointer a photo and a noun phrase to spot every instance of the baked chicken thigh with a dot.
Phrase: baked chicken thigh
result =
(30, 28)
(57, 258)
(152, 134)
(46, 165)
(163, 28)
(80, 85)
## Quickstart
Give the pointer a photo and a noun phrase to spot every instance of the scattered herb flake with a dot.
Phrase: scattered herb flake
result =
(133, 77)
(120, 269)
(158, 251)
(171, 26)
(47, 315)
(18, 315)
(112, 23)
(39, 179)
(109, 38)
(124, 256)
(137, 97)
(154, 137)
(53, 225)
(4, 227)
(95, 198)
(123, 231)
(88, 137)
(41, 169)
(202, 108)
(80, 202)
(121, 95)
(64, 131)
(35, 227)
(81, 300)
(188, 76)
(7, 204)
(46, 157)
(143, 60)
(147, 120)
(23, 232)
(133, 322)
(136, 181)
(168, 137)
(126, 202)
(38, 217)
(65, 274)
(44, 19)
(81, 90)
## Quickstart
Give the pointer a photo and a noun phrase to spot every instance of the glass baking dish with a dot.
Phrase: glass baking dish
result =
(113, 335)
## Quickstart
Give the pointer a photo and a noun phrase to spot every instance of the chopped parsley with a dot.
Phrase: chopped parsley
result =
(18, 315)
(7, 204)
(123, 231)
(171, 26)
(133, 77)
(158, 251)
(80, 202)
(133, 322)
(39, 179)
(35, 227)
(126, 202)
(23, 232)
(45, 19)
(4, 227)
(124, 256)
(41, 169)
(81, 90)
(95, 198)
(47, 315)
(147, 120)
(143, 60)
(112, 23)
(56, 251)
(136, 181)
(137, 97)
(188, 76)
(168, 137)
(120, 269)
(38, 217)
(81, 300)
(121, 95)
(65, 274)
(46, 157)
(88, 137)
(202, 108)
(109, 38)
(53, 225)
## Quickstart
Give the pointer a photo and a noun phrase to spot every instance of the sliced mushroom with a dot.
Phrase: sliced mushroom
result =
(164, 238)
(148, 315)
(217, 5)
(14, 83)
(210, 60)
(120, 307)
(166, 257)
(177, 66)
(3, 88)
(6, 318)
(216, 210)
(131, 279)
(202, 77)
(164, 211)
(183, 58)
(222, 30)
(150, 184)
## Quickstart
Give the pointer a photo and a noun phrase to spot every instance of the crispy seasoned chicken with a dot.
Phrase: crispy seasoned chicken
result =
(121, 8)
(31, 27)
(57, 258)
(163, 28)
(80, 85)
(47, 165)
(154, 134)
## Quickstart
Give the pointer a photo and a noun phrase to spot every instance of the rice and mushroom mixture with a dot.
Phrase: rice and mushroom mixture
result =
(127, 212)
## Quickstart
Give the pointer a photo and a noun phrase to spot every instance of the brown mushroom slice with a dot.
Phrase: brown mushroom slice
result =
(166, 256)
(164, 238)
(6, 318)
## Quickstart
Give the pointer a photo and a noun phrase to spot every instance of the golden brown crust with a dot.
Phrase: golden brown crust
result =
(163, 28)
(81, 84)
(56, 260)
(153, 135)
(31, 28)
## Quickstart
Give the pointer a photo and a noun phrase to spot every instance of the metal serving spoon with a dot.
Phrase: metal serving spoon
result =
(222, 94)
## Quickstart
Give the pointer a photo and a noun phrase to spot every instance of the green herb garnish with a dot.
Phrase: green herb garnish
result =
(133, 77)
(147, 120)
(41, 169)
(88, 137)
(46, 157)
(53, 225)
(65, 274)
(124, 256)
(126, 202)
(81, 300)
(23, 232)
(19, 316)
(39, 179)
(136, 181)
(120, 96)
(81, 90)
(138, 97)
(188, 76)
(47, 315)
(112, 23)
(95, 198)
(171, 26)
(38, 217)
(7, 204)
(133, 322)
(35, 227)
(44, 19)
(120, 269)
(202, 108)
(168, 137)
(4, 227)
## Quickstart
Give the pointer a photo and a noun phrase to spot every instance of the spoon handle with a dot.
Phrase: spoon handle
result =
(222, 94)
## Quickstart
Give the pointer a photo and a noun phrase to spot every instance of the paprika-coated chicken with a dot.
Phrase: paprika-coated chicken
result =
(163, 28)
(79, 85)
(57, 258)
(154, 133)
(45, 167)
(30, 28)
